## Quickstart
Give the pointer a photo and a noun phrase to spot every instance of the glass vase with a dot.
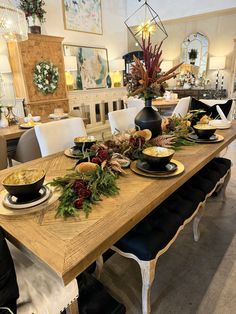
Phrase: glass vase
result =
(11, 117)
(149, 118)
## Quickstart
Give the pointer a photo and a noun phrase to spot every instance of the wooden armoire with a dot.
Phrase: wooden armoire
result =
(23, 58)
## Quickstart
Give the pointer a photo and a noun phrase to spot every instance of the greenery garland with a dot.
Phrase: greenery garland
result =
(46, 77)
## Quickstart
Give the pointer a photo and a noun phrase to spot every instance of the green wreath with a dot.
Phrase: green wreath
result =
(46, 77)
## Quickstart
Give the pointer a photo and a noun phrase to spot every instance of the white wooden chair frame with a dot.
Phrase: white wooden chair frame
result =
(148, 268)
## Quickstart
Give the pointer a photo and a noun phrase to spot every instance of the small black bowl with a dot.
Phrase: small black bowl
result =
(84, 141)
(23, 190)
(204, 131)
(157, 157)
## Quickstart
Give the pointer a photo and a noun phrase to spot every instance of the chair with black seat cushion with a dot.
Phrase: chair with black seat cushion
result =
(94, 298)
(153, 236)
(9, 291)
(40, 290)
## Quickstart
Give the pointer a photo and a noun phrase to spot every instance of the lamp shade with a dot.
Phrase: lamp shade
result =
(4, 64)
(166, 65)
(117, 65)
(70, 63)
(13, 25)
(217, 63)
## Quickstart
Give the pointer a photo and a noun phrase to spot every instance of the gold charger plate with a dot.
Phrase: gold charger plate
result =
(219, 138)
(180, 169)
(67, 153)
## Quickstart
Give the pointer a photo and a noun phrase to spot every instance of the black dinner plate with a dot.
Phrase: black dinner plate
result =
(27, 199)
(193, 136)
(144, 166)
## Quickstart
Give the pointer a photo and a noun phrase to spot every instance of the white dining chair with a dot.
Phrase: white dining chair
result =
(182, 106)
(56, 136)
(133, 102)
(41, 290)
(122, 120)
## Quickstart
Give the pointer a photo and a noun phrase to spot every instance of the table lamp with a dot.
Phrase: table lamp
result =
(116, 67)
(7, 92)
(218, 63)
(70, 66)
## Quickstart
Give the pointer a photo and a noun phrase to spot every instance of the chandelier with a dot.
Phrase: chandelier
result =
(13, 25)
(144, 23)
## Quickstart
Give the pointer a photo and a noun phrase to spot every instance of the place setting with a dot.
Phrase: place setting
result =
(157, 162)
(81, 147)
(30, 121)
(25, 192)
(205, 133)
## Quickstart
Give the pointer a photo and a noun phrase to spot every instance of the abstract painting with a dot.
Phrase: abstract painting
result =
(92, 65)
(83, 15)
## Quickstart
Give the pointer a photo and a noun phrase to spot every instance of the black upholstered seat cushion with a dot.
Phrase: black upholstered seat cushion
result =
(211, 110)
(221, 165)
(155, 231)
(8, 285)
(94, 298)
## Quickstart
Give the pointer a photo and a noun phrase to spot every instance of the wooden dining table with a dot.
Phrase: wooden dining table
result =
(69, 246)
(162, 104)
(12, 132)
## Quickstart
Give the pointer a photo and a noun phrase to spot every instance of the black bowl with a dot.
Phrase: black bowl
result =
(84, 141)
(204, 131)
(34, 177)
(157, 157)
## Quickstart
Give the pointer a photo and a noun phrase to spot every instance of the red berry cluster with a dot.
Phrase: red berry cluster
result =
(82, 191)
(101, 155)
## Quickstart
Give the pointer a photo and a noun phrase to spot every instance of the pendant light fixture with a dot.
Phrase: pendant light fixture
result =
(145, 22)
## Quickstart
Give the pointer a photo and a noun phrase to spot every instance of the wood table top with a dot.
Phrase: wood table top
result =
(70, 246)
(12, 132)
(162, 103)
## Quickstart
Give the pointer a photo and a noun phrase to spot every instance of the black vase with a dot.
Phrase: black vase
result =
(148, 118)
(108, 81)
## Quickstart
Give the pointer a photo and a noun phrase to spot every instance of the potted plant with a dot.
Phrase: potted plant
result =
(193, 55)
(147, 81)
(34, 13)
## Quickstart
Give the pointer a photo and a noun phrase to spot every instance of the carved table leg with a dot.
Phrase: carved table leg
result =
(99, 266)
(225, 184)
(148, 274)
(196, 221)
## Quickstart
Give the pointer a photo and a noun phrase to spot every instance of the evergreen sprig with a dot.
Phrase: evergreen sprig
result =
(101, 182)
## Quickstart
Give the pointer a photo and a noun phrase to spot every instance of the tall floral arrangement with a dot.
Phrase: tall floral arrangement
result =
(33, 8)
(148, 80)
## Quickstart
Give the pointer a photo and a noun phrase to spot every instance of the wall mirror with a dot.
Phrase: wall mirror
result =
(195, 52)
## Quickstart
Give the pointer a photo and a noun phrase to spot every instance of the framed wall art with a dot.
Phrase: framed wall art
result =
(92, 66)
(83, 15)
